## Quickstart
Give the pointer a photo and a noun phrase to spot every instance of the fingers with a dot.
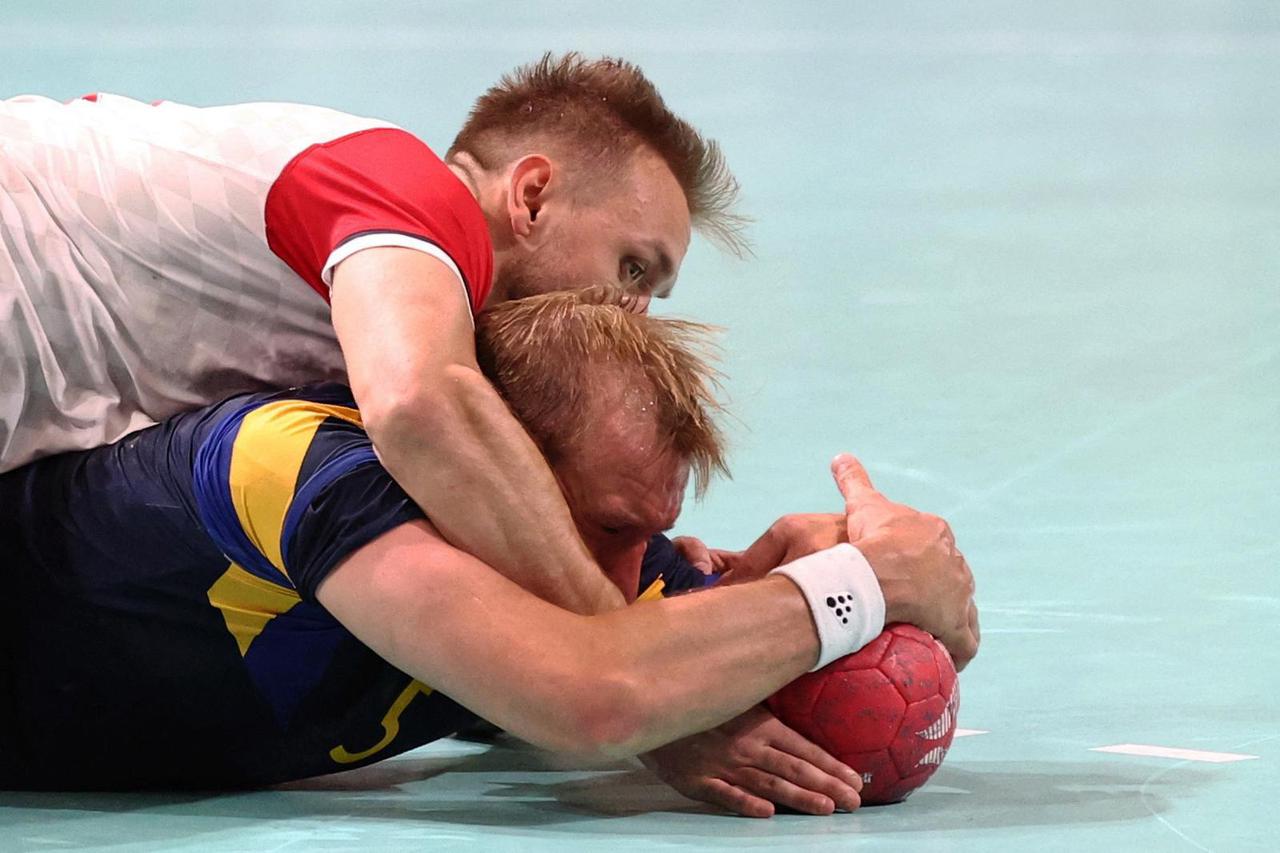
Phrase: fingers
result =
(764, 554)
(636, 303)
(962, 641)
(731, 567)
(789, 743)
(813, 786)
(783, 792)
(696, 552)
(852, 479)
(721, 793)
(720, 559)
(962, 646)
(969, 641)
(974, 627)
(969, 634)
(630, 301)
(806, 765)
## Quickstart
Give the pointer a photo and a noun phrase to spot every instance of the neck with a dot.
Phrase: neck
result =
(475, 177)
(468, 170)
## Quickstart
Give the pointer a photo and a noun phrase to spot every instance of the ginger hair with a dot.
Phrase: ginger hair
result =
(551, 357)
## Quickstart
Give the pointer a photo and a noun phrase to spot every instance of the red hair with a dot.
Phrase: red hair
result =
(545, 354)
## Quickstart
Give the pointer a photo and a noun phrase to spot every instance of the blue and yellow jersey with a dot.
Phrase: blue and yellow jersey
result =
(160, 622)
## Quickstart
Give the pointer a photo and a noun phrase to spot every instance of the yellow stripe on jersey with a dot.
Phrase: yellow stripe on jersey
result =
(248, 603)
(269, 449)
(654, 590)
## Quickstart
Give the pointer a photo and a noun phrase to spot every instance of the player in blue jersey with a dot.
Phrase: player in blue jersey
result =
(242, 595)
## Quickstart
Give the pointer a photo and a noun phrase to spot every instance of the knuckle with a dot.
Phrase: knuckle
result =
(794, 768)
(703, 788)
(731, 798)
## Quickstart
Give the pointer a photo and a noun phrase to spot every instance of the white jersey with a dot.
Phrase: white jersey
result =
(157, 258)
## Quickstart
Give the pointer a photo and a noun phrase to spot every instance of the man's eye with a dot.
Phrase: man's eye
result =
(633, 271)
(610, 531)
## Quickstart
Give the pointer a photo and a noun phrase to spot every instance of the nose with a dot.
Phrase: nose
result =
(622, 566)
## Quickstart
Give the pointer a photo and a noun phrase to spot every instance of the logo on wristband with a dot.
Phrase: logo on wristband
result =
(841, 606)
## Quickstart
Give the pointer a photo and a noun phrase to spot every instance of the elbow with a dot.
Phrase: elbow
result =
(618, 723)
(604, 718)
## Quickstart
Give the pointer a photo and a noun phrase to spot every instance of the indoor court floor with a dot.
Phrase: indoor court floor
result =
(1022, 258)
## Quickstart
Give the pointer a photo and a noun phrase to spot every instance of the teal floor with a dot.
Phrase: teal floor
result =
(1024, 258)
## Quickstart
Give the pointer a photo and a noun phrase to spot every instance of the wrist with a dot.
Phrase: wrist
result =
(899, 599)
(844, 597)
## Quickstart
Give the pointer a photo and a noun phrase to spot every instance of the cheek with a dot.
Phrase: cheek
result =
(568, 267)
(584, 252)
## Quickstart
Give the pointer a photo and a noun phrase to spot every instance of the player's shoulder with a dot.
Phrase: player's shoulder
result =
(250, 138)
(262, 425)
(288, 484)
(270, 438)
(284, 118)
(265, 452)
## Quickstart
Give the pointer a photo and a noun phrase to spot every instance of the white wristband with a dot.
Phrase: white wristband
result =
(844, 597)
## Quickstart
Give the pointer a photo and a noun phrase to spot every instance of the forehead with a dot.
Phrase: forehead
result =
(649, 203)
(621, 472)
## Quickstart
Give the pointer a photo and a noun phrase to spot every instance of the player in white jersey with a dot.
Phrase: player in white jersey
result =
(146, 265)
(156, 257)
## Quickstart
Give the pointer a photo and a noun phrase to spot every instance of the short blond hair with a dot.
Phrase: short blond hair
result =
(545, 354)
(602, 110)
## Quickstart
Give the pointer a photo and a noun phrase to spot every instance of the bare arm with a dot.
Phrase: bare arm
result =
(445, 434)
(609, 685)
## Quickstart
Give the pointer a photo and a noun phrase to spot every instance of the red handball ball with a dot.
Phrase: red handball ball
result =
(888, 710)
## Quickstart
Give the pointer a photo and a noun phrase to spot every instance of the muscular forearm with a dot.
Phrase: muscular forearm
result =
(487, 489)
(445, 434)
(700, 660)
(621, 683)
(614, 684)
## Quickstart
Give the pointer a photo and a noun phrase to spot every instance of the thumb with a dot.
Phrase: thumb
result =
(763, 555)
(695, 551)
(852, 480)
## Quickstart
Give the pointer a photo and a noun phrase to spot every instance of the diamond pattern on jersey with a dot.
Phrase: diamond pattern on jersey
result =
(135, 277)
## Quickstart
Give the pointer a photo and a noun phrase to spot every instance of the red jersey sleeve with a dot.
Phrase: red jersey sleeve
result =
(382, 181)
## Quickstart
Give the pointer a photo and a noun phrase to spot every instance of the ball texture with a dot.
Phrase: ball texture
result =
(888, 710)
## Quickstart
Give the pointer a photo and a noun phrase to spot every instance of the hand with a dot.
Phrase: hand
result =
(752, 762)
(702, 558)
(789, 538)
(925, 579)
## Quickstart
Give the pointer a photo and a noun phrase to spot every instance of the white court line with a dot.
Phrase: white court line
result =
(971, 732)
(1172, 752)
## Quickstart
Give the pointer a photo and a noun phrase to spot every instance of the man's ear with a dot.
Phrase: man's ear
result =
(528, 187)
